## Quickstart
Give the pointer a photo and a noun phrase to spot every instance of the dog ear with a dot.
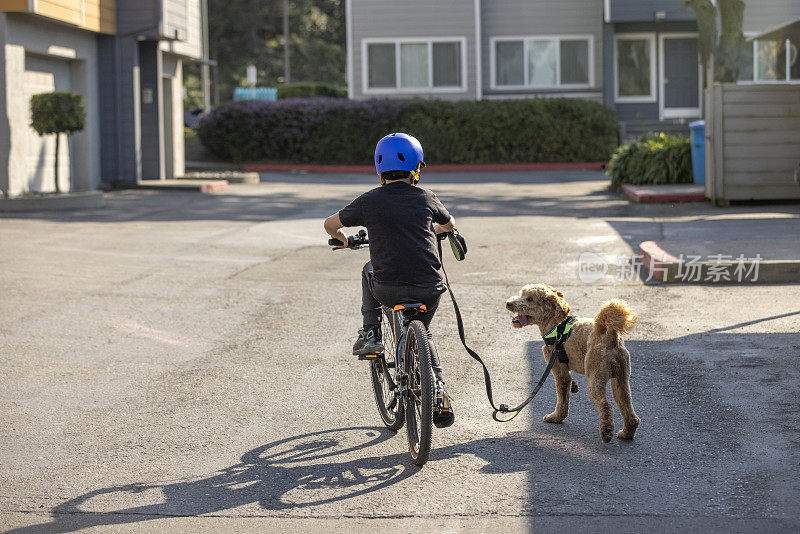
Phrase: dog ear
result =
(559, 302)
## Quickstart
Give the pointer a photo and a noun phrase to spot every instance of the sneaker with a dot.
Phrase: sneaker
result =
(443, 415)
(368, 342)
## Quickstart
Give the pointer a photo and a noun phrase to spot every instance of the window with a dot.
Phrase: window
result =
(381, 65)
(412, 65)
(769, 61)
(542, 62)
(635, 68)
(510, 63)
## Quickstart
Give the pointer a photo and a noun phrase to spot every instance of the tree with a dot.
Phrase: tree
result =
(724, 46)
(56, 113)
(245, 32)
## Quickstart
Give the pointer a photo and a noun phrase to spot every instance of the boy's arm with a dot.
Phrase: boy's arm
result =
(333, 227)
(443, 228)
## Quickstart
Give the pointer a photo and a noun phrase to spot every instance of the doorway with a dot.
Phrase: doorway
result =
(680, 76)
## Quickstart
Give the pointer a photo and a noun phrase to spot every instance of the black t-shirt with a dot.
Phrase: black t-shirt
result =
(399, 219)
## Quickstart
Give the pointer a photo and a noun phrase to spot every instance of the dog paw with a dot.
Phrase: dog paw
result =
(606, 433)
(552, 418)
(625, 434)
(629, 429)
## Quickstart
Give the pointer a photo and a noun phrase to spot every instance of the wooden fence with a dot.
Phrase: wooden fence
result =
(752, 142)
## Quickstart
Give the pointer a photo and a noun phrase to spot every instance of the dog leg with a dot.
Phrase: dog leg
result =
(620, 387)
(597, 393)
(563, 383)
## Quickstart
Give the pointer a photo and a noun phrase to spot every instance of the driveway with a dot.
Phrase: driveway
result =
(179, 361)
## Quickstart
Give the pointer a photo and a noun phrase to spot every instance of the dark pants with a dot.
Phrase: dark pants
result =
(373, 294)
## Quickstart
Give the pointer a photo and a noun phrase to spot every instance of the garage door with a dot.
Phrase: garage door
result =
(43, 75)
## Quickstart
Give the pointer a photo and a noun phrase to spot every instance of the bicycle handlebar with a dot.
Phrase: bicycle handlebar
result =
(354, 242)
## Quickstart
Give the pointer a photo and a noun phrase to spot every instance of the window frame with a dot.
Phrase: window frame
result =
(589, 38)
(642, 99)
(398, 89)
(756, 80)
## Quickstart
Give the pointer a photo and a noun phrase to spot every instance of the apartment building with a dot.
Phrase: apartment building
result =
(638, 57)
(125, 57)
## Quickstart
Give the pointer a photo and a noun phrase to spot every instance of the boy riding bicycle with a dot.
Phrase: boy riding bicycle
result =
(402, 221)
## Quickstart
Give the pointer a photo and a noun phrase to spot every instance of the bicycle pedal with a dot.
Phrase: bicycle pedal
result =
(368, 356)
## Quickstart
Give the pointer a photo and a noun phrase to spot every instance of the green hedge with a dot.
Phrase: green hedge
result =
(326, 130)
(654, 158)
(310, 90)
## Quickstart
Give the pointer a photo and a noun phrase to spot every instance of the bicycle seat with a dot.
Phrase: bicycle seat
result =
(416, 306)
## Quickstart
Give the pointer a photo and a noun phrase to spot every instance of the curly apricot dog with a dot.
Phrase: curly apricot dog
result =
(595, 349)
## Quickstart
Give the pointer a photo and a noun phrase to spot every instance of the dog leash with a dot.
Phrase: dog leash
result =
(503, 408)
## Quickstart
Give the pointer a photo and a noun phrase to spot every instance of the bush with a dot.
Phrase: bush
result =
(326, 130)
(311, 90)
(654, 158)
(57, 112)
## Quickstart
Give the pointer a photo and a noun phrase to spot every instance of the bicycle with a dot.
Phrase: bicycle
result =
(402, 375)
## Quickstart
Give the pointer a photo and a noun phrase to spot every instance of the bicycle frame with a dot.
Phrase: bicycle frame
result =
(399, 322)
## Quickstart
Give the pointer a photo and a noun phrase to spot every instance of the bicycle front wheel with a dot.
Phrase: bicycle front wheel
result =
(382, 370)
(419, 403)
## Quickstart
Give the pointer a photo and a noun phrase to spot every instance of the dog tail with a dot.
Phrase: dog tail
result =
(615, 316)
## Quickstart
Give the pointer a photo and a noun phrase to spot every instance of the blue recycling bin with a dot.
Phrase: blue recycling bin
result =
(697, 137)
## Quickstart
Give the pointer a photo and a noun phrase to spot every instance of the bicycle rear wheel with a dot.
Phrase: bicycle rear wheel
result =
(419, 404)
(382, 371)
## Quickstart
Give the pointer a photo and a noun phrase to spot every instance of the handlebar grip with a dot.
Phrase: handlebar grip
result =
(335, 243)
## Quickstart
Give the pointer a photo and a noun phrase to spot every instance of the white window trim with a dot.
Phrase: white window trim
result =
(397, 89)
(756, 80)
(673, 113)
(652, 97)
(525, 46)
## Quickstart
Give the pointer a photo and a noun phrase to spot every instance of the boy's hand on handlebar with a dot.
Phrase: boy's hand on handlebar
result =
(342, 239)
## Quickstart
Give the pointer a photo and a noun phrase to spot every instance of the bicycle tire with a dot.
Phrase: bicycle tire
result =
(394, 417)
(419, 404)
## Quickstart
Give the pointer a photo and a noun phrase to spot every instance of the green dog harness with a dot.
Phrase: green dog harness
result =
(557, 336)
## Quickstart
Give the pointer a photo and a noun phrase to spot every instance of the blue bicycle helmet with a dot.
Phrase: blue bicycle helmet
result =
(399, 152)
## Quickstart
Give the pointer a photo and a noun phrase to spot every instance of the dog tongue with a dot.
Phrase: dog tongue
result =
(523, 320)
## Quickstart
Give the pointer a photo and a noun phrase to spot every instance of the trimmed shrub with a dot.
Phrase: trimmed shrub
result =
(326, 130)
(56, 113)
(654, 158)
(311, 90)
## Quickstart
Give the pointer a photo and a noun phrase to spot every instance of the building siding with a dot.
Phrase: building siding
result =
(761, 15)
(108, 103)
(502, 18)
(93, 15)
(376, 19)
(645, 10)
(189, 23)
(140, 17)
(13, 5)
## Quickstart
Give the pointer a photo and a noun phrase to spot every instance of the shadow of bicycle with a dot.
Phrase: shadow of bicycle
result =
(301, 471)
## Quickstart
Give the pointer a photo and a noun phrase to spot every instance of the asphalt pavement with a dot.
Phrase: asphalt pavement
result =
(181, 361)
